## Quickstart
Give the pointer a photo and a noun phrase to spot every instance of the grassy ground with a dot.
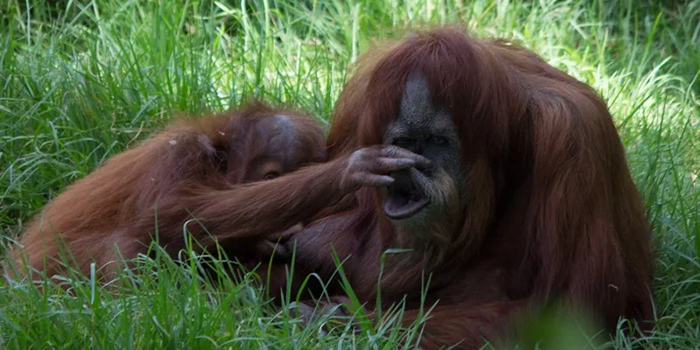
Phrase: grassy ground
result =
(80, 81)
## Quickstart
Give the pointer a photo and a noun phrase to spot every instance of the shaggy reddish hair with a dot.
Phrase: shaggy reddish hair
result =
(550, 193)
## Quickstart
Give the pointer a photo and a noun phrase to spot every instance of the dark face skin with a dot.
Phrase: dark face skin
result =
(427, 130)
(284, 150)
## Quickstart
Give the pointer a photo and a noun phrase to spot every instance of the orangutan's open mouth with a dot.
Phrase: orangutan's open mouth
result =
(403, 198)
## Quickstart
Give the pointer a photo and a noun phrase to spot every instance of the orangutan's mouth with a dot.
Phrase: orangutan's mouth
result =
(403, 198)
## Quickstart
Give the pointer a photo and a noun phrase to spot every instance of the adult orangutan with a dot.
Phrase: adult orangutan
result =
(208, 169)
(529, 201)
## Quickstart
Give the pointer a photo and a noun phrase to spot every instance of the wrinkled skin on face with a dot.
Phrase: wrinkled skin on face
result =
(424, 129)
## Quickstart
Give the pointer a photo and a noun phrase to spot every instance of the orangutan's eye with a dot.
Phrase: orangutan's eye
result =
(271, 175)
(403, 142)
(437, 140)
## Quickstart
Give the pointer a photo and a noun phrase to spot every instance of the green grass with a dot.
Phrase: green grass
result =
(82, 80)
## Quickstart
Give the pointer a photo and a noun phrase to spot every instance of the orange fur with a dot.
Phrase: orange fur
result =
(203, 168)
(552, 214)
